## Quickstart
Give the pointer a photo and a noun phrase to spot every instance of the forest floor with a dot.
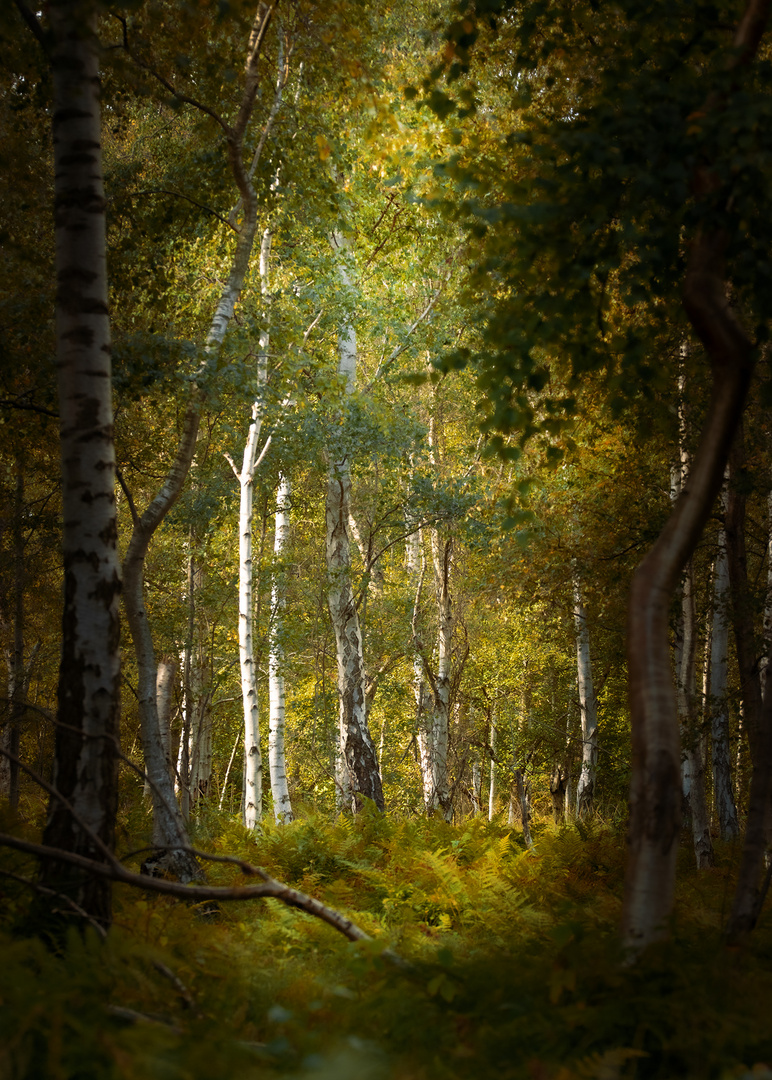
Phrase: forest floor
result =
(513, 967)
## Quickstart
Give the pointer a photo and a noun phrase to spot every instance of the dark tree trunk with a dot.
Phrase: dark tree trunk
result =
(654, 790)
(85, 772)
(756, 712)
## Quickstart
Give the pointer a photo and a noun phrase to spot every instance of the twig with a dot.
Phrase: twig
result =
(127, 493)
(270, 887)
(176, 982)
(187, 198)
(134, 1017)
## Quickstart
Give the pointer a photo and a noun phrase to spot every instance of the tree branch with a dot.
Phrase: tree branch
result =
(270, 887)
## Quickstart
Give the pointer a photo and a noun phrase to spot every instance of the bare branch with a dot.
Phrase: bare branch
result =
(127, 493)
(187, 198)
(269, 888)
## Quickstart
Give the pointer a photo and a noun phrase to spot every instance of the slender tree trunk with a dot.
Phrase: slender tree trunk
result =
(524, 799)
(282, 808)
(358, 750)
(694, 804)
(757, 711)
(476, 786)
(442, 556)
(416, 565)
(654, 790)
(169, 827)
(200, 747)
(585, 789)
(558, 781)
(723, 794)
(85, 763)
(164, 687)
(492, 785)
(692, 752)
(253, 756)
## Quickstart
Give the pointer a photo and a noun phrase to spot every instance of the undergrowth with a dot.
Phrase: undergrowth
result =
(514, 969)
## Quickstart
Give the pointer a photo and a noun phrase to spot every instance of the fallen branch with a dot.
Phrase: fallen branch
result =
(269, 888)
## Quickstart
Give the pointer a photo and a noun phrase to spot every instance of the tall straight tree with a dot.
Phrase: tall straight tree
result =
(723, 795)
(253, 757)
(85, 772)
(282, 807)
(169, 832)
(654, 810)
(359, 765)
(588, 706)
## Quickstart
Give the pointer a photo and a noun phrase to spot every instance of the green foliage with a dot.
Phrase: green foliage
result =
(514, 969)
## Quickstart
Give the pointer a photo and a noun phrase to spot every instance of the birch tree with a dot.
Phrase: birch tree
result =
(169, 833)
(693, 761)
(253, 758)
(85, 773)
(588, 706)
(282, 807)
(359, 765)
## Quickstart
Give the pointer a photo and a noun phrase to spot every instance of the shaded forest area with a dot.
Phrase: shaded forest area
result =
(385, 539)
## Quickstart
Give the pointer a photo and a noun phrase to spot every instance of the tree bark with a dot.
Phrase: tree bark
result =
(85, 764)
(442, 560)
(253, 757)
(757, 711)
(282, 807)
(654, 790)
(492, 754)
(169, 827)
(723, 794)
(588, 706)
(358, 749)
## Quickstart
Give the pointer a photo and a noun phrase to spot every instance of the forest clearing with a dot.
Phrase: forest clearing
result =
(385, 539)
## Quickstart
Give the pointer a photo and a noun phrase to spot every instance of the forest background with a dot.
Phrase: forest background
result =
(422, 324)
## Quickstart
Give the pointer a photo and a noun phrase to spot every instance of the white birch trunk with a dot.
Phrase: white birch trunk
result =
(167, 670)
(358, 750)
(282, 807)
(169, 831)
(416, 567)
(253, 757)
(585, 789)
(200, 746)
(85, 764)
(692, 760)
(476, 786)
(492, 786)
(442, 556)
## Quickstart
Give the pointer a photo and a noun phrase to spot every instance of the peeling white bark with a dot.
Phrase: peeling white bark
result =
(253, 758)
(492, 787)
(585, 788)
(85, 766)
(282, 807)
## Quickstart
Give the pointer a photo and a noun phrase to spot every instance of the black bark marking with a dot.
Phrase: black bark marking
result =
(80, 335)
